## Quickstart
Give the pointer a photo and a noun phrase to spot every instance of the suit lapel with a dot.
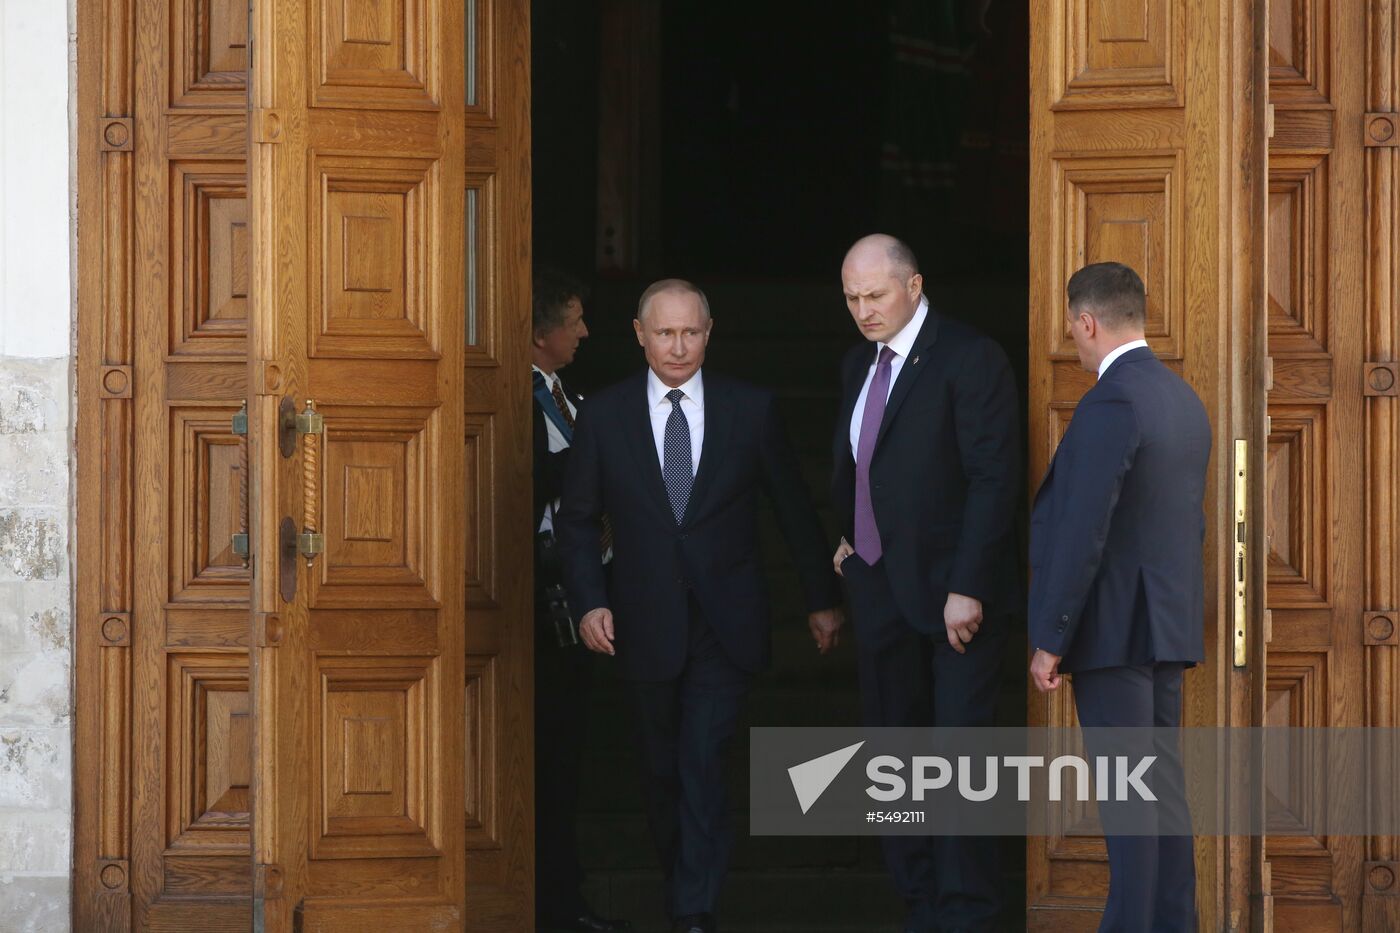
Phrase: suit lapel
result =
(638, 426)
(909, 373)
(719, 419)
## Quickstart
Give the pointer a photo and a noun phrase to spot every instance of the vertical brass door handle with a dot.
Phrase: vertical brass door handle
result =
(310, 426)
(240, 537)
(1241, 551)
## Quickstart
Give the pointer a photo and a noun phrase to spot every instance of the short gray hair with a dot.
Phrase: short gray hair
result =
(671, 285)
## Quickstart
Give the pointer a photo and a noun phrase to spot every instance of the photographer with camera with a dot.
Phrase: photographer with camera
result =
(563, 666)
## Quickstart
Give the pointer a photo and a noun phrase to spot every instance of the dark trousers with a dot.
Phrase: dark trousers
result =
(911, 679)
(1152, 878)
(563, 680)
(686, 724)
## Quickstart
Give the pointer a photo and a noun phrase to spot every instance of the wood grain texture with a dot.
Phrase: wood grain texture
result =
(1318, 458)
(1147, 147)
(162, 266)
(499, 631)
(357, 193)
(1380, 908)
(101, 844)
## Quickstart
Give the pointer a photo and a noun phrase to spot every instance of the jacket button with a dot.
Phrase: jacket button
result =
(1064, 618)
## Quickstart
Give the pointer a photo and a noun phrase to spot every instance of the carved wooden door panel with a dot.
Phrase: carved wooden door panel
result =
(1147, 148)
(387, 255)
(1332, 447)
(388, 211)
(164, 737)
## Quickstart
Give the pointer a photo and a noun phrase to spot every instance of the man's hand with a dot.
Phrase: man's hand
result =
(1045, 673)
(962, 615)
(596, 629)
(826, 628)
(843, 551)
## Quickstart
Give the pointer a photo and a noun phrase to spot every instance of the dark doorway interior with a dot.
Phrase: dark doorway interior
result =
(780, 132)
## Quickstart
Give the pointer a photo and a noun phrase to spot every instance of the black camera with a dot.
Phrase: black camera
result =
(551, 601)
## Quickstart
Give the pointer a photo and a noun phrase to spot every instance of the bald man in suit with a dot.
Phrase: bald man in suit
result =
(928, 473)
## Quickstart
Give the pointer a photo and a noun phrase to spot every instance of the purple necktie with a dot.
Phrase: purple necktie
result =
(867, 532)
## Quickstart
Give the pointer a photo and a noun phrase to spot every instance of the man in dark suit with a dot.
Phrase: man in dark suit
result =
(1117, 586)
(677, 458)
(563, 668)
(928, 467)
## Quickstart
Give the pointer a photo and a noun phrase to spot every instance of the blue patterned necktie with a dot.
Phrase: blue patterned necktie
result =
(676, 459)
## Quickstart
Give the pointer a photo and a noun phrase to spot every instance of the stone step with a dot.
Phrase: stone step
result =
(761, 901)
(860, 900)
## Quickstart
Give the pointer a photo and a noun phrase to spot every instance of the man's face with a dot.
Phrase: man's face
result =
(674, 335)
(880, 301)
(559, 344)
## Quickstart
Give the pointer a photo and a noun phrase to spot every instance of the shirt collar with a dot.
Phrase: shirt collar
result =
(694, 389)
(550, 379)
(903, 341)
(1117, 352)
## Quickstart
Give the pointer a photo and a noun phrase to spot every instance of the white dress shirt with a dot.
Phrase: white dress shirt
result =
(556, 440)
(901, 344)
(692, 406)
(1117, 352)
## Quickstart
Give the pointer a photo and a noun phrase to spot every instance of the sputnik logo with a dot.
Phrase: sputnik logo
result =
(811, 778)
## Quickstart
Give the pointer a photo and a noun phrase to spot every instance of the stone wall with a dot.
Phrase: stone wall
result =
(36, 416)
(35, 645)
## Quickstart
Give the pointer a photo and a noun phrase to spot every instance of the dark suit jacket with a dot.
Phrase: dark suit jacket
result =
(946, 472)
(1118, 524)
(549, 467)
(713, 553)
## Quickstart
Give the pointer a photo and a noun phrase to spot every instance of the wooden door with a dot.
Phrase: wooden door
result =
(1332, 445)
(389, 674)
(386, 255)
(1147, 147)
(163, 750)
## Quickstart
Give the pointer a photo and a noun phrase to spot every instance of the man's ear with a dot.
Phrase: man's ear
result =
(637, 327)
(916, 286)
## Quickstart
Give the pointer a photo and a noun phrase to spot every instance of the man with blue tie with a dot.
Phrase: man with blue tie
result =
(1117, 582)
(676, 458)
(928, 471)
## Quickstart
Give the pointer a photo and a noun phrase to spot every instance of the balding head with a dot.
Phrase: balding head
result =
(882, 283)
(878, 246)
